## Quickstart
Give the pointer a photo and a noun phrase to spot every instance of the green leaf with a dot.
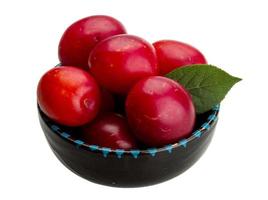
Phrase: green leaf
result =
(207, 84)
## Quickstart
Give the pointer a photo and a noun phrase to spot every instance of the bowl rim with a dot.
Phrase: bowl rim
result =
(197, 133)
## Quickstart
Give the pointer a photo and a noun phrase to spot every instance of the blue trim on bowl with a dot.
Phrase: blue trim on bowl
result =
(136, 152)
(183, 143)
(152, 151)
(94, 147)
(105, 151)
(119, 152)
(169, 148)
(65, 135)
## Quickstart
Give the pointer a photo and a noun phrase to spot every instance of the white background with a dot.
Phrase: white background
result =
(231, 34)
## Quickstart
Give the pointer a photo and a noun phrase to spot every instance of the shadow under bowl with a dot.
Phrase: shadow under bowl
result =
(132, 168)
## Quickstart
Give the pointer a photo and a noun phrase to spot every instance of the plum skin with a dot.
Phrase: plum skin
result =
(109, 130)
(68, 95)
(118, 62)
(160, 111)
(173, 54)
(81, 37)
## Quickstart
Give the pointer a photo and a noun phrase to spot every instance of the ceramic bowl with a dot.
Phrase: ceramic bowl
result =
(133, 168)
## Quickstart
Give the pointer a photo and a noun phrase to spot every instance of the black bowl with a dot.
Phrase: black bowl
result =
(134, 168)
